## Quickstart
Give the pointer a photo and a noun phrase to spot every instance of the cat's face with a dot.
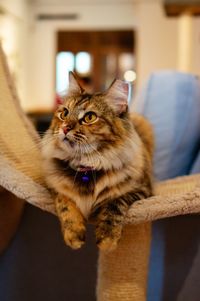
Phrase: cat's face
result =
(86, 123)
(83, 122)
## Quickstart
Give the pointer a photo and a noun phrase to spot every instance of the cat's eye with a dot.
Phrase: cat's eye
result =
(64, 114)
(89, 117)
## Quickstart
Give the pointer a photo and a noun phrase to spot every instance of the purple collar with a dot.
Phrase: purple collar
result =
(82, 168)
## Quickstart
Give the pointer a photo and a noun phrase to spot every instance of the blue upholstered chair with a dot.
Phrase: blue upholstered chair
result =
(171, 102)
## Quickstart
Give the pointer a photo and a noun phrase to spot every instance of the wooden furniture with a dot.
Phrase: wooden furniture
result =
(175, 8)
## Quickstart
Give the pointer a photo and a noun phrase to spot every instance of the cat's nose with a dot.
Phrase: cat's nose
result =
(66, 129)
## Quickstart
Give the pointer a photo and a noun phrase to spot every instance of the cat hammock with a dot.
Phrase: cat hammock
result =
(122, 274)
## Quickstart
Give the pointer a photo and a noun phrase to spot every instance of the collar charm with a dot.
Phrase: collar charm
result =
(85, 178)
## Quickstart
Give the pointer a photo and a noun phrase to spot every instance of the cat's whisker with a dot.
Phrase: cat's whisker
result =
(39, 144)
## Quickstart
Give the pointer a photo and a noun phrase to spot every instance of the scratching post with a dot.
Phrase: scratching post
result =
(122, 274)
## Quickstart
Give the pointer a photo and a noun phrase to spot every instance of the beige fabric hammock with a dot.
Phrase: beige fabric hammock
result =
(122, 275)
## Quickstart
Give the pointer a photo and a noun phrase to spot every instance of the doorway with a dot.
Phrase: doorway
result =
(97, 57)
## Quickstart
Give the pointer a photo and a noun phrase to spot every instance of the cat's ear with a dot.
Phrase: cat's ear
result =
(74, 87)
(117, 96)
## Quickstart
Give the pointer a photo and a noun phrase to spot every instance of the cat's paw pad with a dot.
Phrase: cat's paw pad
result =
(107, 237)
(74, 239)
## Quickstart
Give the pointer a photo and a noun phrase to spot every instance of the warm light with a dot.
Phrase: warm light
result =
(64, 64)
(130, 76)
(83, 62)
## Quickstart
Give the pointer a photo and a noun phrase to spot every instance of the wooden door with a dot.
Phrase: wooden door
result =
(109, 54)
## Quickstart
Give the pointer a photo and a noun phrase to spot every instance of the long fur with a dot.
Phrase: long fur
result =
(118, 149)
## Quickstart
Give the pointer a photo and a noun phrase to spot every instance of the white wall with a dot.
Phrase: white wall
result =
(17, 8)
(14, 24)
(157, 40)
(166, 43)
(195, 53)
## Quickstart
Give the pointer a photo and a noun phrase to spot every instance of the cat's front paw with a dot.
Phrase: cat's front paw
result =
(107, 237)
(74, 238)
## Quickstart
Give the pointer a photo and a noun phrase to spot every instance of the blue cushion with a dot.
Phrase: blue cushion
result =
(196, 166)
(171, 101)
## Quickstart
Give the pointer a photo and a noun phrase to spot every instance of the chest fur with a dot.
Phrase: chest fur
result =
(80, 187)
(84, 195)
(98, 186)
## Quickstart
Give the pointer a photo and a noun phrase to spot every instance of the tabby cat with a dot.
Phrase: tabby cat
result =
(97, 158)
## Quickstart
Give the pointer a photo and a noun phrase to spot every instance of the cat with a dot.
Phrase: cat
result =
(97, 157)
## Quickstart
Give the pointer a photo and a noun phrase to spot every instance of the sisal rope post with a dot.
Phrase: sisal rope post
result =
(122, 274)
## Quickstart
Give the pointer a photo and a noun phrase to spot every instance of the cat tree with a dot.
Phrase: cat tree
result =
(122, 274)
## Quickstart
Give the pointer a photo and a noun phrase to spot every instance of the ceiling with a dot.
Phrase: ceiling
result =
(76, 2)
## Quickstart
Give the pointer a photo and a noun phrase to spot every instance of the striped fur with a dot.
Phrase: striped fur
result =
(118, 149)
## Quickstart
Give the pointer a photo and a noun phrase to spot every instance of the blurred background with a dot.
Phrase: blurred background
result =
(98, 39)
(101, 40)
